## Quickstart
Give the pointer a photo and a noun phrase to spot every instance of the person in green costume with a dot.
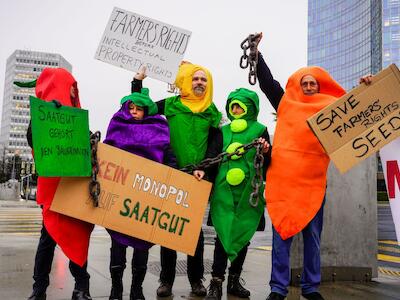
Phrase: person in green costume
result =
(234, 219)
(193, 119)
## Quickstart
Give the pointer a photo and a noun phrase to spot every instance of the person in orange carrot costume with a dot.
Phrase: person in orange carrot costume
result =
(296, 178)
(72, 235)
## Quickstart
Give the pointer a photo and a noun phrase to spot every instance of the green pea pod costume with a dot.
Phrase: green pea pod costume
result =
(234, 219)
(189, 130)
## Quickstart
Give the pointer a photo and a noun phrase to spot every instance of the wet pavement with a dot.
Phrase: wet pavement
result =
(18, 245)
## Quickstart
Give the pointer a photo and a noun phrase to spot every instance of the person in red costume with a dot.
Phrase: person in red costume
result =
(71, 235)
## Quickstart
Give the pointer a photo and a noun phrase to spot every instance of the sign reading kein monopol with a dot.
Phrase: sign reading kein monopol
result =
(131, 40)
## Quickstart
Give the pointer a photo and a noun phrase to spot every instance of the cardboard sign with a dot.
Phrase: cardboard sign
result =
(362, 121)
(60, 139)
(131, 40)
(140, 198)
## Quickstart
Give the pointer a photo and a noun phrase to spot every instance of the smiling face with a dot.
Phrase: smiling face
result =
(309, 85)
(199, 83)
(137, 112)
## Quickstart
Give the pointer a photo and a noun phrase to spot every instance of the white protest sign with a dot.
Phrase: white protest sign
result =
(390, 157)
(131, 40)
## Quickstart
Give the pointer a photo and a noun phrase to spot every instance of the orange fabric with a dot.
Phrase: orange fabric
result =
(296, 177)
(72, 235)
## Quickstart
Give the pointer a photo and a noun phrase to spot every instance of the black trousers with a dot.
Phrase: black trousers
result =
(118, 258)
(221, 260)
(43, 261)
(195, 264)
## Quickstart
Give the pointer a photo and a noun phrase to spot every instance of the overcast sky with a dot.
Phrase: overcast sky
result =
(74, 28)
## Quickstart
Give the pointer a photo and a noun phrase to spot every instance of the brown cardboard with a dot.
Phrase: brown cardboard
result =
(362, 121)
(176, 200)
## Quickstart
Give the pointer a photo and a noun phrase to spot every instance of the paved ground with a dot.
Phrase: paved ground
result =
(19, 231)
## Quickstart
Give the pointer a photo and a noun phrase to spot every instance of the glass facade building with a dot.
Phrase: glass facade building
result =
(390, 32)
(344, 37)
(23, 66)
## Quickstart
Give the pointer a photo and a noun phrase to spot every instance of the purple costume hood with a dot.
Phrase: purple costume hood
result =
(148, 138)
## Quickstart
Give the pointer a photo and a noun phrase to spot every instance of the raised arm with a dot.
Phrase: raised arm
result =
(137, 84)
(271, 88)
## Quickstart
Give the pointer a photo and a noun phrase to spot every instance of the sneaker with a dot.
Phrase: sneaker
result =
(313, 296)
(276, 296)
(80, 295)
(37, 297)
(215, 289)
(236, 288)
(198, 288)
(164, 290)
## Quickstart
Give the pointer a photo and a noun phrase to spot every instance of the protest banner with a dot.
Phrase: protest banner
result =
(390, 158)
(60, 139)
(140, 198)
(361, 122)
(131, 40)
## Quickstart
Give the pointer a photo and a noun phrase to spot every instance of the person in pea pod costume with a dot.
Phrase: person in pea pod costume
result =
(234, 218)
(193, 120)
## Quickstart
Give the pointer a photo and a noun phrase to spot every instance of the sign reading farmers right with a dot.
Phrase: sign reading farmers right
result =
(361, 122)
(131, 40)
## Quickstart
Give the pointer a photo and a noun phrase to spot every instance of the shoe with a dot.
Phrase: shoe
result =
(235, 287)
(276, 296)
(215, 289)
(80, 295)
(164, 290)
(37, 297)
(313, 296)
(137, 294)
(116, 285)
(198, 288)
(138, 275)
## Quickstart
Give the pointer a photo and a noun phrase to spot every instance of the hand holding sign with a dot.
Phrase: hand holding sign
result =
(362, 121)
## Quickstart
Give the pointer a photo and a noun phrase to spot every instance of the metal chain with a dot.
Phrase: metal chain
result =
(257, 180)
(251, 59)
(94, 185)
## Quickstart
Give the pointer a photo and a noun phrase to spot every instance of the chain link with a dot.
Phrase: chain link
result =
(250, 59)
(94, 185)
(257, 180)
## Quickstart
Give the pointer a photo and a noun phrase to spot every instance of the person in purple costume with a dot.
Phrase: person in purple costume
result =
(137, 128)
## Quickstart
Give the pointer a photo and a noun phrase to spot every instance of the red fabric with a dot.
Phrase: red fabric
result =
(72, 235)
(296, 177)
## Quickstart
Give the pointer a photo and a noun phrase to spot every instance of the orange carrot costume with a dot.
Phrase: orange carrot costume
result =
(296, 178)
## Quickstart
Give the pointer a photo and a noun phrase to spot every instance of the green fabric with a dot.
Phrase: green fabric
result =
(189, 131)
(234, 219)
(27, 84)
(142, 99)
(238, 125)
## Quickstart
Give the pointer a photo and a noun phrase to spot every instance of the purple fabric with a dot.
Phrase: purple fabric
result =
(147, 138)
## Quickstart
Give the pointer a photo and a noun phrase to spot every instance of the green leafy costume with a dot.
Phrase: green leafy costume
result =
(189, 130)
(234, 219)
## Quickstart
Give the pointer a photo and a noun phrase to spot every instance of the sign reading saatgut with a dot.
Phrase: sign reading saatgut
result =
(140, 198)
(60, 139)
(131, 40)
